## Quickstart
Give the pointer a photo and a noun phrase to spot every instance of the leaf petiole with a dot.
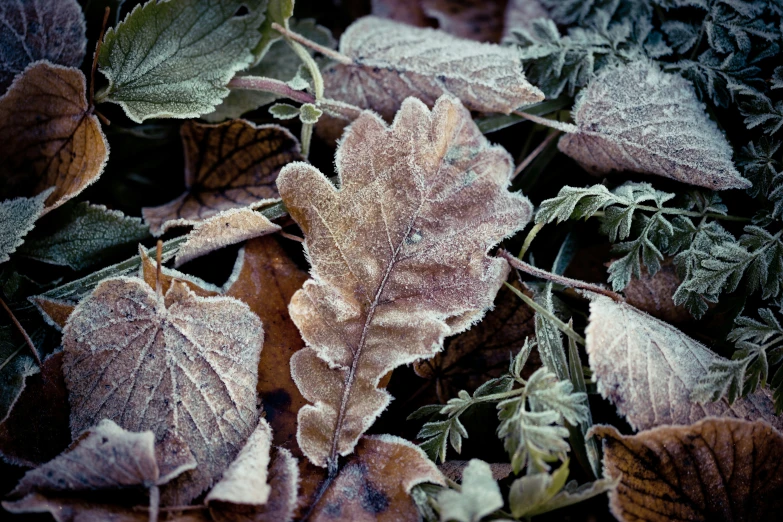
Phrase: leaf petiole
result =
(569, 332)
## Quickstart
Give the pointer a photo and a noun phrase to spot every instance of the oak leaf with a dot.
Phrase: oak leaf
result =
(649, 369)
(716, 469)
(392, 61)
(229, 165)
(639, 118)
(180, 365)
(33, 30)
(49, 136)
(398, 258)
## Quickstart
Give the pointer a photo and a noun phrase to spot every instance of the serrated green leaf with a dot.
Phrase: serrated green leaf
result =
(309, 113)
(529, 494)
(279, 12)
(480, 495)
(545, 392)
(284, 111)
(16, 364)
(17, 218)
(174, 58)
(85, 235)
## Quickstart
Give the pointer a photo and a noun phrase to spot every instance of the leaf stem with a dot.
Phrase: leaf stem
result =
(569, 332)
(681, 212)
(331, 53)
(260, 83)
(21, 331)
(565, 281)
(559, 125)
(529, 238)
(533, 155)
(90, 102)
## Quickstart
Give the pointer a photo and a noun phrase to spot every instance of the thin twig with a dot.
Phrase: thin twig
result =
(95, 58)
(22, 331)
(565, 281)
(154, 503)
(159, 262)
(291, 237)
(533, 155)
(103, 118)
(331, 53)
(559, 125)
(529, 239)
(259, 83)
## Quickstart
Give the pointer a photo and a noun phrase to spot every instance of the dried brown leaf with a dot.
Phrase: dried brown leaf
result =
(393, 61)
(49, 136)
(648, 369)
(37, 429)
(182, 366)
(375, 483)
(68, 509)
(54, 311)
(227, 228)
(230, 165)
(716, 469)
(453, 469)
(148, 271)
(480, 20)
(653, 294)
(398, 258)
(637, 117)
(35, 30)
(266, 281)
(405, 11)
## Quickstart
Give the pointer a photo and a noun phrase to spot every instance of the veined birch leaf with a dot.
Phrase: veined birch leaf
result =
(716, 469)
(230, 165)
(183, 366)
(49, 136)
(173, 58)
(649, 369)
(83, 235)
(398, 259)
(393, 61)
(639, 118)
(17, 218)
(32, 30)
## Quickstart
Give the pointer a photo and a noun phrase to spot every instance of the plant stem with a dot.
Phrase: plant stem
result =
(529, 238)
(569, 332)
(91, 98)
(533, 155)
(21, 331)
(259, 83)
(559, 125)
(331, 53)
(681, 212)
(565, 281)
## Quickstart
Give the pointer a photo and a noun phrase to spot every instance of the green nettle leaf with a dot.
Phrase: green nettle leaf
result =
(480, 495)
(16, 364)
(17, 218)
(309, 113)
(85, 234)
(279, 12)
(284, 111)
(174, 58)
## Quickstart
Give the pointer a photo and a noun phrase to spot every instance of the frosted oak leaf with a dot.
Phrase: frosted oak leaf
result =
(399, 258)
(639, 118)
(182, 366)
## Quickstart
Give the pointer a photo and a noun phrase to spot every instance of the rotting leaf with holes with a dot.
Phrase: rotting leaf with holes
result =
(716, 469)
(174, 58)
(639, 118)
(649, 369)
(230, 165)
(398, 259)
(35, 30)
(49, 136)
(132, 355)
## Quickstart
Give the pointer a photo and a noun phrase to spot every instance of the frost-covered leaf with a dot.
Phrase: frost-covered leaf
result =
(230, 165)
(17, 218)
(520, 14)
(49, 136)
(179, 365)
(636, 117)
(649, 369)
(480, 495)
(716, 469)
(277, 12)
(82, 234)
(392, 61)
(16, 364)
(174, 58)
(398, 257)
(32, 30)
(227, 228)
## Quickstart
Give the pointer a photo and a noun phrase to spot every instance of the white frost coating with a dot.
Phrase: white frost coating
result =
(17, 218)
(639, 118)
(648, 369)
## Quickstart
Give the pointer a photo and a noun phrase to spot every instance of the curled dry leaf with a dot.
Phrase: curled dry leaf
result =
(392, 61)
(49, 136)
(33, 30)
(180, 365)
(716, 469)
(648, 369)
(230, 165)
(637, 117)
(375, 483)
(227, 228)
(398, 259)
(653, 294)
(266, 281)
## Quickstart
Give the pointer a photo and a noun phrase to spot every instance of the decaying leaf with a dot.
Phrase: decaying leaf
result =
(480, 495)
(637, 117)
(148, 271)
(454, 469)
(17, 218)
(230, 165)
(393, 61)
(375, 483)
(648, 369)
(398, 258)
(49, 136)
(174, 58)
(716, 469)
(653, 294)
(405, 11)
(183, 366)
(37, 429)
(35, 30)
(54, 311)
(266, 281)
(227, 228)
(84, 235)
(520, 13)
